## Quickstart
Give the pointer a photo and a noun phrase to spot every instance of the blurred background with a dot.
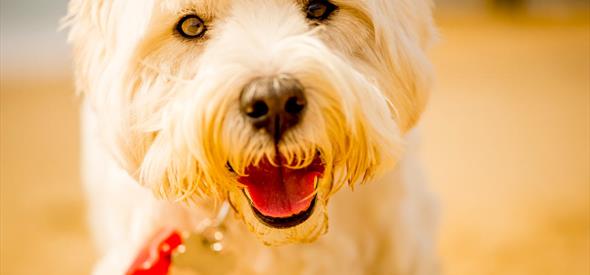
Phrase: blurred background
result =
(506, 139)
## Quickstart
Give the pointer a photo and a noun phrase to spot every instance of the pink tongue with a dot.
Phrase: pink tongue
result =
(279, 191)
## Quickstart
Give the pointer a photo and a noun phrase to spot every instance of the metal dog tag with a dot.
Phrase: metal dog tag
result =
(205, 254)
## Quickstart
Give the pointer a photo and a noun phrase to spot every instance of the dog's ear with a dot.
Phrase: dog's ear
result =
(104, 35)
(403, 30)
(102, 32)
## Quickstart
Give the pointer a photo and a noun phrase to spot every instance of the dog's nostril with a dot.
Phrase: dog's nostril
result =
(257, 110)
(294, 105)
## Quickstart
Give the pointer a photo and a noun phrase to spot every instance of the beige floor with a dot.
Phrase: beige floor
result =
(506, 141)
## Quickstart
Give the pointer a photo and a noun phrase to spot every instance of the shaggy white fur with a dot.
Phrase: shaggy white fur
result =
(162, 117)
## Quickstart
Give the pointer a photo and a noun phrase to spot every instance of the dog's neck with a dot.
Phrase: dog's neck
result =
(207, 238)
(183, 250)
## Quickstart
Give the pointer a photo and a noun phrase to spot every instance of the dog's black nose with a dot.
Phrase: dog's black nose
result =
(273, 103)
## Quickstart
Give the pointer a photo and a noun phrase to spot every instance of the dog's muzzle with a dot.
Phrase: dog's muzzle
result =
(280, 196)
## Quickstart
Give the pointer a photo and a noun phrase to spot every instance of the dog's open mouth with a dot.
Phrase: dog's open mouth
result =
(282, 197)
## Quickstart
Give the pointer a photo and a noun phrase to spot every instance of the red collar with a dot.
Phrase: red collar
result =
(156, 256)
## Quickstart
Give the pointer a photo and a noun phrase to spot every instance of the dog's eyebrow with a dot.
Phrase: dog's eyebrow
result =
(206, 9)
(302, 3)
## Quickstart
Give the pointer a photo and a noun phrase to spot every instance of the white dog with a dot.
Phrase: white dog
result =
(267, 106)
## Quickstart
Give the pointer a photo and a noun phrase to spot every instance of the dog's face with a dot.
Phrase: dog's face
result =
(270, 104)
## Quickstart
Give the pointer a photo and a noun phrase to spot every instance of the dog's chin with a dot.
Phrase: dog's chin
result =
(302, 228)
(281, 204)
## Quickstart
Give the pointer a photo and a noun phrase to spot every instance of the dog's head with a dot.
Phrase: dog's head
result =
(270, 104)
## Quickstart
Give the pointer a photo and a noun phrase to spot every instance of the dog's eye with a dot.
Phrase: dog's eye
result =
(319, 9)
(191, 26)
